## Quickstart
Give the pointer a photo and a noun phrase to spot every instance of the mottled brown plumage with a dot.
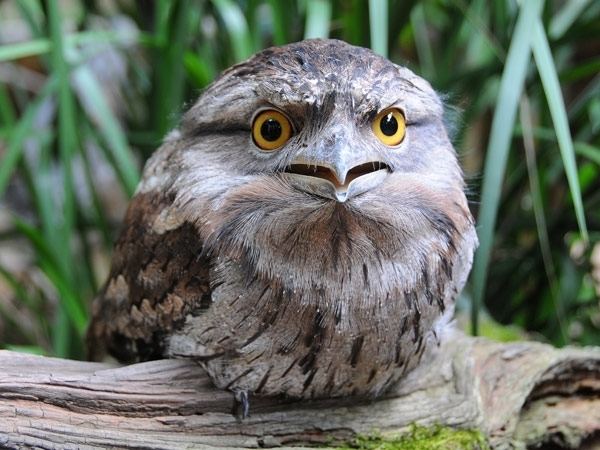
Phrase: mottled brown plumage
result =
(276, 279)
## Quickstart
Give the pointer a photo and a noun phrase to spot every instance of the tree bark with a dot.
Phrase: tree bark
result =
(518, 394)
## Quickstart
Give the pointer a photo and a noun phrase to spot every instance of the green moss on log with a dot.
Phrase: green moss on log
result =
(423, 438)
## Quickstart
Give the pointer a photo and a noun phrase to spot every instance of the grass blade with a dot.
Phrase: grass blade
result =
(589, 151)
(483, 39)
(29, 10)
(423, 42)
(278, 12)
(511, 86)
(24, 298)
(60, 236)
(591, 91)
(67, 131)
(318, 19)
(562, 21)
(558, 112)
(174, 19)
(51, 266)
(378, 20)
(7, 112)
(19, 50)
(100, 113)
(96, 209)
(48, 241)
(200, 72)
(538, 210)
(237, 28)
(22, 131)
(36, 47)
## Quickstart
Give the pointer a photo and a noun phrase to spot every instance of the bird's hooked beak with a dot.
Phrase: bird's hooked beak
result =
(339, 173)
(336, 183)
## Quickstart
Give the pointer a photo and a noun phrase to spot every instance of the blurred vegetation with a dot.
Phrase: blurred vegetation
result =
(88, 89)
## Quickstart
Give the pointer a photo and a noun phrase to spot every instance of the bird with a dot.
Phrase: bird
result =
(304, 232)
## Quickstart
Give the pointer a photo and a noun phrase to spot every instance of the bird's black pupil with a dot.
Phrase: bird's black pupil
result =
(389, 125)
(270, 130)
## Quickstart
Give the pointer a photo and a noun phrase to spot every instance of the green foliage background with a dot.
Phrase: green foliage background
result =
(89, 88)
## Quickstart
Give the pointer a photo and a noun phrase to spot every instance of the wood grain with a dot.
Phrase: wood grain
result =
(518, 394)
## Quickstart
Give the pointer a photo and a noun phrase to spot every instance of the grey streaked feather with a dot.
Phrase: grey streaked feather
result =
(311, 297)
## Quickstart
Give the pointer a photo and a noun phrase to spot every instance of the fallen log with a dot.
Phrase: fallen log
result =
(518, 394)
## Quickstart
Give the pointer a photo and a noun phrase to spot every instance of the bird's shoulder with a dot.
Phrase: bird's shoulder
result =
(159, 274)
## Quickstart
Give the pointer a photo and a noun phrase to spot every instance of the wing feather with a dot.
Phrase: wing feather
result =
(158, 275)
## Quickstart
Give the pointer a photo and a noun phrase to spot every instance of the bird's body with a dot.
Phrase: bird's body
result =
(323, 267)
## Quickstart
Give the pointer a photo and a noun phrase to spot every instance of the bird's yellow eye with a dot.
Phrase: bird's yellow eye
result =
(390, 126)
(271, 129)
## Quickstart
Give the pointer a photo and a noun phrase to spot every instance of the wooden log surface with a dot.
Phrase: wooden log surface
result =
(519, 394)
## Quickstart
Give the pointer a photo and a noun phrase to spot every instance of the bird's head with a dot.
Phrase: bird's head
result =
(312, 142)
(331, 119)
